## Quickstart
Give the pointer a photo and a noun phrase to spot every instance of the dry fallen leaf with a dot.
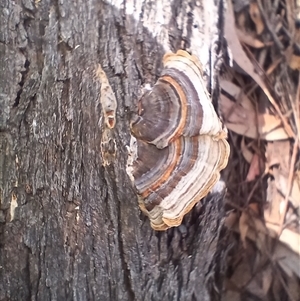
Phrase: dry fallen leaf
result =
(263, 75)
(255, 168)
(266, 279)
(249, 39)
(231, 219)
(241, 117)
(294, 62)
(244, 226)
(246, 152)
(292, 58)
(245, 64)
(256, 17)
(278, 161)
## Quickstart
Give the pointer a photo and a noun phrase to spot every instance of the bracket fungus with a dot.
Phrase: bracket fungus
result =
(178, 145)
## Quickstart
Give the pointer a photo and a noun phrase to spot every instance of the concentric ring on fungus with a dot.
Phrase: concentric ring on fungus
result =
(179, 144)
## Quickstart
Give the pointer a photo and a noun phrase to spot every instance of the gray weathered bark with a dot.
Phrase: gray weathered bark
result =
(70, 228)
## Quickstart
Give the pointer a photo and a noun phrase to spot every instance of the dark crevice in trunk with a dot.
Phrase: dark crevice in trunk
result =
(21, 83)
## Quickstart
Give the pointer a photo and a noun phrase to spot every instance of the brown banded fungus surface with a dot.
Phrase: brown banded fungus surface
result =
(179, 144)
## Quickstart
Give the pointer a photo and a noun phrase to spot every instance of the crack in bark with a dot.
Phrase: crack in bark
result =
(21, 83)
(126, 271)
(24, 51)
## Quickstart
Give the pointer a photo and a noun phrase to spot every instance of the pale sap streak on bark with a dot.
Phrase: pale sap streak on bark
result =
(212, 16)
(134, 8)
(13, 206)
(156, 18)
(109, 106)
(182, 19)
(157, 22)
(107, 99)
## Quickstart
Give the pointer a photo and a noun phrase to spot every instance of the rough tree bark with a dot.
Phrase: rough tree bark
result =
(70, 228)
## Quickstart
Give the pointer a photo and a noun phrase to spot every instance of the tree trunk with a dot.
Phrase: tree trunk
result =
(70, 226)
